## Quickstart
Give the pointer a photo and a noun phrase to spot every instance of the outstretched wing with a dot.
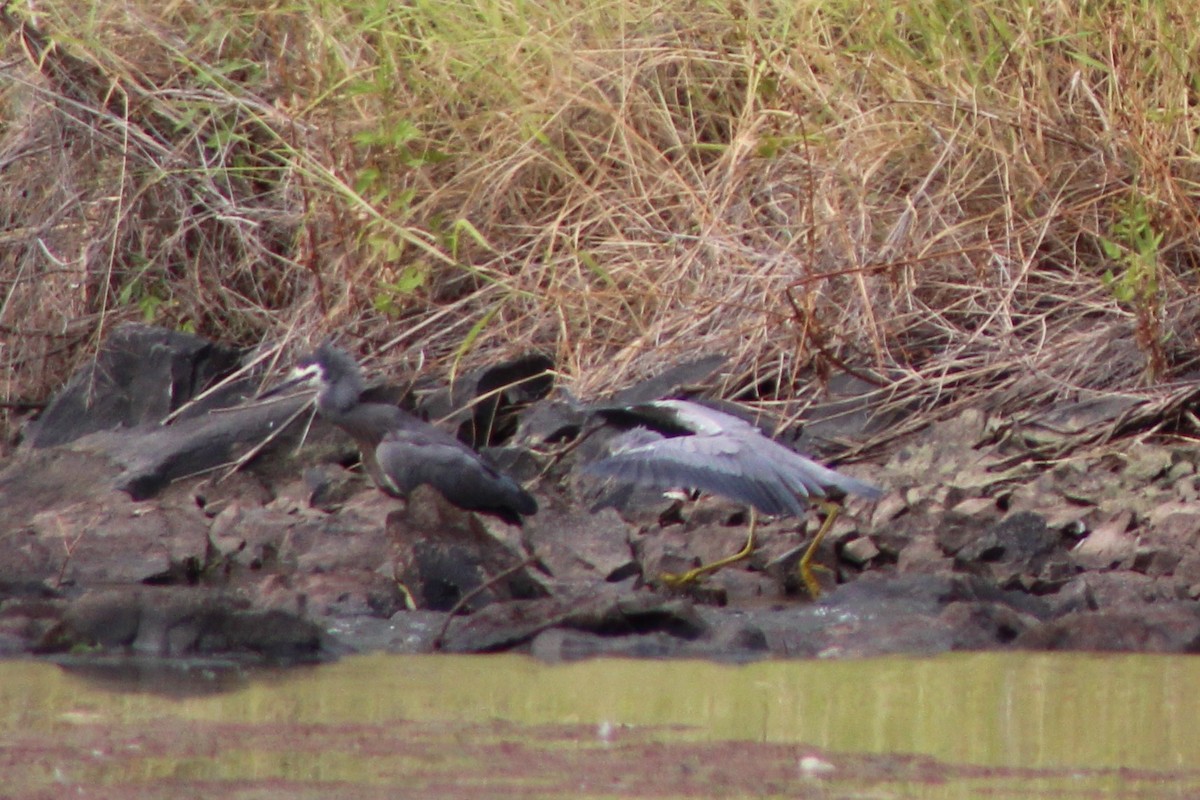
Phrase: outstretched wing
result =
(745, 467)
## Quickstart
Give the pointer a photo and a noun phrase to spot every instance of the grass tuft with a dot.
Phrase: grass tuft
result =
(970, 203)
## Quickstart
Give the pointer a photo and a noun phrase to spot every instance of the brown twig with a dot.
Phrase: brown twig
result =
(471, 595)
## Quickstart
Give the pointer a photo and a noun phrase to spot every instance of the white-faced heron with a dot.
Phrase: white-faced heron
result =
(400, 451)
(681, 444)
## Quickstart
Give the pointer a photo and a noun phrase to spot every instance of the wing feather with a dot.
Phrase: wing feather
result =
(715, 464)
(410, 459)
(740, 464)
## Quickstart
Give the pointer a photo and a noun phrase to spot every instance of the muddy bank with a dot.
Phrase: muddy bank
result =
(110, 547)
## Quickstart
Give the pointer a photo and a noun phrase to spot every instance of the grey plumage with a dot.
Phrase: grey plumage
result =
(678, 443)
(401, 452)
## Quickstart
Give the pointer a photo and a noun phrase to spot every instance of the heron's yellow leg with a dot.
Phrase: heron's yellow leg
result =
(673, 581)
(806, 567)
(410, 602)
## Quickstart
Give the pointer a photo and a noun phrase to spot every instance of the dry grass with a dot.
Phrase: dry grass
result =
(970, 203)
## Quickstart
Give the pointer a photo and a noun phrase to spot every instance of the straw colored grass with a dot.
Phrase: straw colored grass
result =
(968, 203)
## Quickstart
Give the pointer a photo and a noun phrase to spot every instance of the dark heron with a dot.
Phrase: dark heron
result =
(400, 451)
(677, 443)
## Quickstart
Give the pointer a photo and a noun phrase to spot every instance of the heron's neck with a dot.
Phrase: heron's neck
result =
(338, 398)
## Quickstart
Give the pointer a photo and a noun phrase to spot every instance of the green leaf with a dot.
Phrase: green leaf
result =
(468, 341)
(459, 227)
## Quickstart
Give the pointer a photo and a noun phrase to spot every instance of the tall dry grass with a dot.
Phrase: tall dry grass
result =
(962, 202)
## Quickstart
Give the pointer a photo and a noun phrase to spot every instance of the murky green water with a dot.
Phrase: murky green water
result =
(1013, 725)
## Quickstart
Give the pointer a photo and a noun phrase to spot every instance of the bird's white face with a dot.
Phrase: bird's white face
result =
(308, 374)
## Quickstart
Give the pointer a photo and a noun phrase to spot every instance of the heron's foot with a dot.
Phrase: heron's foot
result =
(809, 580)
(806, 562)
(678, 581)
(681, 580)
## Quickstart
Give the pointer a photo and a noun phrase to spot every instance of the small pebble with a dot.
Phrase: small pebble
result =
(859, 551)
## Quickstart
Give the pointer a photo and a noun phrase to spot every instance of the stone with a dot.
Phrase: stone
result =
(141, 374)
(609, 612)
(1173, 628)
(1018, 538)
(1110, 544)
(576, 547)
(173, 623)
(859, 551)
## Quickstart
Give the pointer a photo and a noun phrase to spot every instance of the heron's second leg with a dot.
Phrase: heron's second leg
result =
(806, 568)
(674, 581)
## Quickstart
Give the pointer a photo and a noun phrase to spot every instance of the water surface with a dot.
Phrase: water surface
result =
(1001, 725)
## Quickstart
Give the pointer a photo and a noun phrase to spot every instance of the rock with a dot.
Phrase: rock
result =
(105, 619)
(859, 551)
(889, 507)
(1145, 462)
(560, 645)
(1188, 569)
(876, 615)
(337, 542)
(1053, 573)
(119, 541)
(43, 484)
(24, 621)
(443, 554)
(610, 613)
(578, 547)
(349, 593)
(550, 422)
(752, 584)
(922, 554)
(218, 492)
(1109, 545)
(1173, 628)
(1120, 589)
(1155, 560)
(1017, 539)
(664, 551)
(639, 506)
(141, 374)
(893, 537)
(1074, 596)
(519, 463)
(176, 622)
(481, 406)
(159, 455)
(329, 487)
(853, 633)
(116, 407)
(973, 508)
(981, 625)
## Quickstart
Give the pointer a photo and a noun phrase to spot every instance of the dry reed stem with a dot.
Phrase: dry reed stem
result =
(931, 200)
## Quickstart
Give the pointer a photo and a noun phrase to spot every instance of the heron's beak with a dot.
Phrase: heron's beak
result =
(300, 378)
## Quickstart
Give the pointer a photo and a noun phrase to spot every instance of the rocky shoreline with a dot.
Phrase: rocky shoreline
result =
(110, 549)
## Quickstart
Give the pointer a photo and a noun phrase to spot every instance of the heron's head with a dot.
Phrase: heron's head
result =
(334, 373)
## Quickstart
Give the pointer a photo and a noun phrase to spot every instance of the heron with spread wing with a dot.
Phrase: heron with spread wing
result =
(678, 443)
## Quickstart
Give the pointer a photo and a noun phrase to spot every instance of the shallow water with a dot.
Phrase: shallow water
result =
(965, 725)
